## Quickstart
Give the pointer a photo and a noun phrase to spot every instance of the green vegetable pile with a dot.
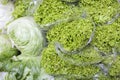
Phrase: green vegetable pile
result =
(62, 40)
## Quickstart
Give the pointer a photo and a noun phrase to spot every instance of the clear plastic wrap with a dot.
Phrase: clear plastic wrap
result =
(6, 14)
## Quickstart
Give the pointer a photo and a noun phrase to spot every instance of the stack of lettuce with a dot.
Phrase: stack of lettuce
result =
(82, 37)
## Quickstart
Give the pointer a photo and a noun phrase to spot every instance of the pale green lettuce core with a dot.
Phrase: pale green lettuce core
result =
(26, 36)
(6, 49)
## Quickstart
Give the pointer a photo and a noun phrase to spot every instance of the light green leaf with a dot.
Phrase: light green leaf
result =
(6, 49)
(26, 36)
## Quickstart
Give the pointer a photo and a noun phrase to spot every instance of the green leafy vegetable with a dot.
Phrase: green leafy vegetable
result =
(26, 36)
(4, 1)
(101, 11)
(107, 37)
(23, 68)
(20, 8)
(6, 49)
(54, 65)
(25, 7)
(99, 59)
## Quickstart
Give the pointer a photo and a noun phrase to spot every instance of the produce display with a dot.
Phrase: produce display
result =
(61, 40)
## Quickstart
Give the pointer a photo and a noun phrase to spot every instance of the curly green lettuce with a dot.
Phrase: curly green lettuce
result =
(76, 33)
(20, 8)
(115, 69)
(50, 11)
(108, 37)
(56, 66)
(101, 11)
(25, 7)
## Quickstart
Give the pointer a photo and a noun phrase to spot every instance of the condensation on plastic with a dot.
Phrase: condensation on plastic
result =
(114, 18)
(62, 54)
(104, 68)
(33, 6)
